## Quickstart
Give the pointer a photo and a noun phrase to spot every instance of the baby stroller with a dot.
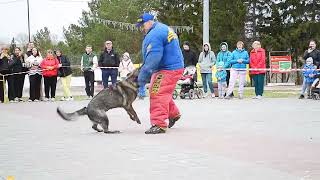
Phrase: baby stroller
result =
(315, 90)
(187, 85)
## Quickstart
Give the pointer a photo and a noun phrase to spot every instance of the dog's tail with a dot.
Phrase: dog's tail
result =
(72, 116)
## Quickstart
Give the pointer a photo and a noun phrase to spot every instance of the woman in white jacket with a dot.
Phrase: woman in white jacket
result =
(35, 74)
(126, 66)
(207, 60)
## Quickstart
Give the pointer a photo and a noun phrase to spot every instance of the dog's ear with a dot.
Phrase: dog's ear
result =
(134, 74)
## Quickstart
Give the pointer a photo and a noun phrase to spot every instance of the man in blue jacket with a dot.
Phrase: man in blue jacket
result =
(163, 62)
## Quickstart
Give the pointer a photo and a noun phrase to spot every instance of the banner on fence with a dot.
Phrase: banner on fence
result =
(280, 64)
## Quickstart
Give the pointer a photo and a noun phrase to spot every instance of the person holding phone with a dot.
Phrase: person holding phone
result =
(313, 52)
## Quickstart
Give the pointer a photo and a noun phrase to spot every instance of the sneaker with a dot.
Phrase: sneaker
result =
(205, 95)
(155, 130)
(89, 97)
(69, 98)
(36, 100)
(301, 96)
(63, 98)
(213, 95)
(20, 99)
(29, 100)
(228, 97)
(255, 97)
(11, 101)
(259, 97)
(46, 99)
(172, 121)
(52, 99)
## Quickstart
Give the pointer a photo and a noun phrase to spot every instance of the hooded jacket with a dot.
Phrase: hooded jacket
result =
(50, 62)
(309, 70)
(224, 56)
(126, 66)
(161, 51)
(235, 56)
(65, 70)
(206, 60)
(221, 75)
(258, 61)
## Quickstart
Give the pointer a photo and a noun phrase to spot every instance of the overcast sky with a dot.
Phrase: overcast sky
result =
(55, 14)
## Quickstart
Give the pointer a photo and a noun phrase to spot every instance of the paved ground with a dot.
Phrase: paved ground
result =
(272, 139)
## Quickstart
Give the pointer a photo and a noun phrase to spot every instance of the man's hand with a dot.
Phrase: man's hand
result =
(310, 50)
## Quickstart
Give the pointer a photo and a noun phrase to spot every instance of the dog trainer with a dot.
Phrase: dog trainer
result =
(163, 61)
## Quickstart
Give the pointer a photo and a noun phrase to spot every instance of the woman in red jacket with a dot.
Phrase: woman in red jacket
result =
(50, 66)
(258, 61)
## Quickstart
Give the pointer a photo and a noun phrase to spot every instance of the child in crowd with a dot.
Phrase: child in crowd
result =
(309, 72)
(126, 66)
(221, 75)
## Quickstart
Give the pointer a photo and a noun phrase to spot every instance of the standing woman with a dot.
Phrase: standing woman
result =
(5, 61)
(224, 56)
(206, 61)
(65, 73)
(238, 61)
(19, 68)
(258, 61)
(33, 64)
(50, 66)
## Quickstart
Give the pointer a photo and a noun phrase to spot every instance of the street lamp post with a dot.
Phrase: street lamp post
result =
(205, 21)
(28, 21)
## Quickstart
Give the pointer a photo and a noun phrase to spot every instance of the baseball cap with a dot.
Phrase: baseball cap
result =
(144, 18)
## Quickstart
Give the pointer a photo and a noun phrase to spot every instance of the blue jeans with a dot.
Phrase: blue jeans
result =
(306, 86)
(207, 80)
(105, 76)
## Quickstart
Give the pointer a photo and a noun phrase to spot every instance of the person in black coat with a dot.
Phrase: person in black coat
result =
(109, 62)
(18, 67)
(65, 73)
(313, 52)
(190, 57)
(5, 63)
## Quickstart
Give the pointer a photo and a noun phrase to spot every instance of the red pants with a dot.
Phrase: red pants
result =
(161, 88)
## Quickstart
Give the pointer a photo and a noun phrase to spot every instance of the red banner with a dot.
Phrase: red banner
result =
(280, 64)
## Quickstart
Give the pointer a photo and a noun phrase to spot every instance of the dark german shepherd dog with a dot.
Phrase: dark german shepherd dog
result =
(122, 95)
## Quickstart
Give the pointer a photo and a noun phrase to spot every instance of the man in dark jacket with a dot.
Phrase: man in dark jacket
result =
(190, 57)
(313, 52)
(109, 62)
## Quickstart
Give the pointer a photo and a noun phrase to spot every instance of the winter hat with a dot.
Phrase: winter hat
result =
(126, 54)
(309, 60)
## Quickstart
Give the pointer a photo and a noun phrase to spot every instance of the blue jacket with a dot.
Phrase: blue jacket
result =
(308, 70)
(224, 56)
(161, 51)
(222, 75)
(237, 54)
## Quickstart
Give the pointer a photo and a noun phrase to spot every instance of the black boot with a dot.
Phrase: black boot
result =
(301, 96)
(173, 121)
(155, 130)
